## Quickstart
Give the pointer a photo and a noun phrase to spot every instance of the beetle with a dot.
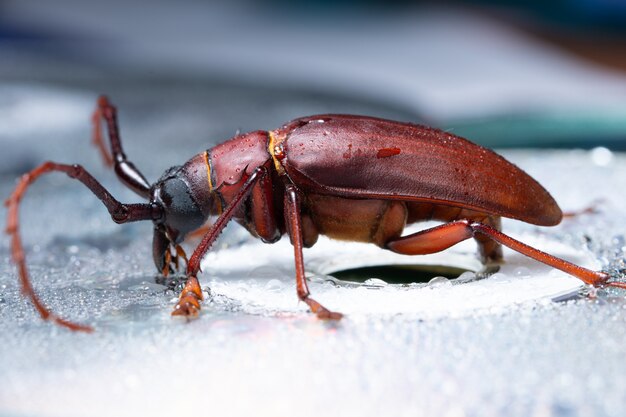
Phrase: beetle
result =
(347, 177)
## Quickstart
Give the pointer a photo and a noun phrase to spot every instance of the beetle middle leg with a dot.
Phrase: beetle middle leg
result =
(442, 237)
(294, 226)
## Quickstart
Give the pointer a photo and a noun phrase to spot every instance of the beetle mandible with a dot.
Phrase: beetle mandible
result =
(347, 177)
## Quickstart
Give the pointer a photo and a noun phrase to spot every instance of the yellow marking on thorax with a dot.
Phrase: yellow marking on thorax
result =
(216, 196)
(275, 148)
(208, 169)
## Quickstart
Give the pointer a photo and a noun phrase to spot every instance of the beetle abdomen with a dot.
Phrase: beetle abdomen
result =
(376, 158)
(357, 220)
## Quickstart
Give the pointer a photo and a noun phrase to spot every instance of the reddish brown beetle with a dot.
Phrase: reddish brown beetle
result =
(348, 177)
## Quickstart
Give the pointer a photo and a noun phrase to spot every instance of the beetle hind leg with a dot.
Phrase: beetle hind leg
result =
(489, 250)
(442, 237)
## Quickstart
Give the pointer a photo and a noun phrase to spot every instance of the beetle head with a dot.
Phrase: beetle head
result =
(183, 211)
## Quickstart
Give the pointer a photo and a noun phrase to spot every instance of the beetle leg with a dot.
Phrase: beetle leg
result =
(262, 212)
(120, 213)
(489, 250)
(186, 306)
(180, 252)
(442, 237)
(292, 218)
(125, 170)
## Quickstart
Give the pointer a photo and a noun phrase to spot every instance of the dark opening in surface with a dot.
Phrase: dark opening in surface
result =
(399, 274)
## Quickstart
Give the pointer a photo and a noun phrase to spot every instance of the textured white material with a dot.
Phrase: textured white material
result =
(264, 280)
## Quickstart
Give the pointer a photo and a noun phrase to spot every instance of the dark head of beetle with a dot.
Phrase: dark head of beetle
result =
(184, 203)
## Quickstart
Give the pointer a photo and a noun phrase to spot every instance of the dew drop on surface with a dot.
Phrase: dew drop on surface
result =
(439, 282)
(499, 277)
(601, 156)
(265, 271)
(555, 273)
(466, 276)
(521, 272)
(375, 282)
(274, 285)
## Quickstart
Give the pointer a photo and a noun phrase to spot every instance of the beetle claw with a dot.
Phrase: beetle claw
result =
(322, 312)
(325, 314)
(616, 284)
(187, 310)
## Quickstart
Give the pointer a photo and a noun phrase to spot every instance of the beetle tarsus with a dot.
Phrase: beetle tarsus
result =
(320, 311)
(189, 302)
(615, 284)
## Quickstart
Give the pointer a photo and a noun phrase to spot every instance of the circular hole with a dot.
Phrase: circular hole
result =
(399, 274)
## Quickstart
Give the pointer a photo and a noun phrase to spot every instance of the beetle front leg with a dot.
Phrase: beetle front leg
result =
(189, 303)
(294, 225)
(442, 237)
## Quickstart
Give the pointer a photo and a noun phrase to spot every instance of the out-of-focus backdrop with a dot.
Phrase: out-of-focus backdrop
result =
(505, 73)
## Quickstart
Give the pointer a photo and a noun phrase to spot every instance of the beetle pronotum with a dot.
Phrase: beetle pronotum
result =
(348, 177)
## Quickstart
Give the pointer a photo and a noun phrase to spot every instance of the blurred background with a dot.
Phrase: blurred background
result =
(503, 73)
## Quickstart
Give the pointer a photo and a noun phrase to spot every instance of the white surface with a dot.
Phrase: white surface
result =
(264, 288)
(487, 348)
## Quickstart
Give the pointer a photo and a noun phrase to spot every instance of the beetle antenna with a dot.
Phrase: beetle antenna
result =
(126, 171)
(120, 213)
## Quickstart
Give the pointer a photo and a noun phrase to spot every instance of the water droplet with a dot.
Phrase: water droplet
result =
(521, 272)
(274, 285)
(601, 156)
(466, 276)
(264, 271)
(499, 277)
(555, 273)
(439, 282)
(375, 282)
